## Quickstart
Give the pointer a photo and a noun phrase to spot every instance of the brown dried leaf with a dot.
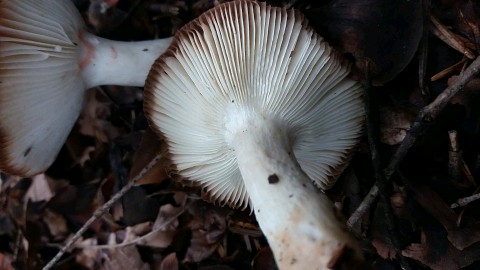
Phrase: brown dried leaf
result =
(170, 262)
(460, 237)
(381, 34)
(57, 224)
(208, 228)
(88, 257)
(92, 121)
(384, 250)
(40, 189)
(395, 122)
(123, 258)
(264, 260)
(149, 147)
(6, 262)
(437, 253)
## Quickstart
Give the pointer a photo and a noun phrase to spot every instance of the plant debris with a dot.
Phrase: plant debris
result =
(406, 53)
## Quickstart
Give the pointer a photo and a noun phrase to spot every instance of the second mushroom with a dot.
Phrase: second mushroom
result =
(260, 111)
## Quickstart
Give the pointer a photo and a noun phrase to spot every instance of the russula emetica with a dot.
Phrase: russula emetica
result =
(259, 110)
(47, 61)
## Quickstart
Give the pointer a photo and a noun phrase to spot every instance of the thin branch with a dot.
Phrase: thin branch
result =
(464, 201)
(426, 116)
(102, 210)
(143, 237)
(384, 186)
(363, 207)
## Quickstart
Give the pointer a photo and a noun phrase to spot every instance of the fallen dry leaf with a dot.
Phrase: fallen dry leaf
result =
(384, 250)
(149, 147)
(460, 237)
(395, 123)
(122, 258)
(6, 262)
(40, 189)
(208, 227)
(170, 262)
(57, 225)
(437, 253)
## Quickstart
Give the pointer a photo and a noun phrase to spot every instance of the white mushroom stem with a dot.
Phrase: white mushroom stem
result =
(108, 62)
(299, 222)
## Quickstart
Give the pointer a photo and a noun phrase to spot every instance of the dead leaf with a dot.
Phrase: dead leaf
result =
(149, 147)
(6, 262)
(40, 189)
(460, 237)
(57, 225)
(437, 253)
(395, 123)
(384, 250)
(93, 119)
(170, 262)
(264, 260)
(123, 258)
(208, 227)
(88, 257)
(381, 34)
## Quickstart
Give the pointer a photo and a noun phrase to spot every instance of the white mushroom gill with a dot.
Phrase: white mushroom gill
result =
(47, 61)
(254, 106)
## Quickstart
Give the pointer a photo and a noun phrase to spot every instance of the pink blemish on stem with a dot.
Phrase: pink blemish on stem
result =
(89, 51)
(114, 52)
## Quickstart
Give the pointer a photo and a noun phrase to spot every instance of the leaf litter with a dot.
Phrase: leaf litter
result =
(162, 223)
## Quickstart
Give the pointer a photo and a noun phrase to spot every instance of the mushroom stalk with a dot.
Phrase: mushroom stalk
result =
(108, 62)
(299, 222)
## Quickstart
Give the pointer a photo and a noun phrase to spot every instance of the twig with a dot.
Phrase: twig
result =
(363, 207)
(425, 117)
(423, 48)
(454, 156)
(102, 210)
(429, 113)
(141, 238)
(464, 201)
(450, 38)
(384, 186)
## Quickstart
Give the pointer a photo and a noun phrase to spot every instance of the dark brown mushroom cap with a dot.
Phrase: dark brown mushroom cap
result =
(248, 57)
(40, 82)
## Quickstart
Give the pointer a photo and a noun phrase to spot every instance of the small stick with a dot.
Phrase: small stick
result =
(454, 156)
(464, 201)
(425, 117)
(363, 207)
(455, 67)
(384, 186)
(450, 38)
(423, 48)
(102, 210)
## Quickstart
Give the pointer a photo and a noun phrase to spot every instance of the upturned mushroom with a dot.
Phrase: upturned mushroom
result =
(47, 61)
(259, 110)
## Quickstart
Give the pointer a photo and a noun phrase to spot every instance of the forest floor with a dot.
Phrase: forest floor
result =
(405, 54)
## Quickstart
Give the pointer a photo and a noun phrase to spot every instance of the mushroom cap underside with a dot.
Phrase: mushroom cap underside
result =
(249, 56)
(41, 92)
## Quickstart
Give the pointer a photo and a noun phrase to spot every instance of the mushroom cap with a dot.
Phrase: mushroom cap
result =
(39, 82)
(249, 56)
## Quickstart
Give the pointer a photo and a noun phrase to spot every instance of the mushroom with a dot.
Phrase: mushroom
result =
(257, 109)
(47, 61)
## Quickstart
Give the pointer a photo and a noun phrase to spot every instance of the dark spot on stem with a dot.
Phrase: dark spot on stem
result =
(26, 152)
(290, 196)
(273, 178)
(145, 50)
(233, 101)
